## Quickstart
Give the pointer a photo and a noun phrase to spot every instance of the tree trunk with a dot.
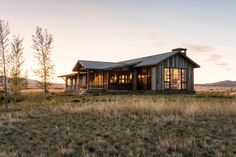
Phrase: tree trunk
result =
(5, 82)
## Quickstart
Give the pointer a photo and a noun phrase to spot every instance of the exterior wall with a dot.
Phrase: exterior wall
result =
(135, 78)
(106, 79)
(97, 79)
(154, 78)
(82, 81)
(176, 61)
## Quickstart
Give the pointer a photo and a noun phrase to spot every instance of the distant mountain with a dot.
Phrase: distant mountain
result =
(34, 84)
(226, 83)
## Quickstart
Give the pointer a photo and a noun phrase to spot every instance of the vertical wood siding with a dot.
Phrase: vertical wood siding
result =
(153, 78)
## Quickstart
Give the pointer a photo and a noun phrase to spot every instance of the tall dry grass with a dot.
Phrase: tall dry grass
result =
(184, 106)
(124, 124)
(176, 106)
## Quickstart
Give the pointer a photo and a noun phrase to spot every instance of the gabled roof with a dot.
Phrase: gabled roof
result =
(138, 62)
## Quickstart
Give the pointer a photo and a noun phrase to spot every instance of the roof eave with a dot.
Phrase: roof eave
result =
(189, 59)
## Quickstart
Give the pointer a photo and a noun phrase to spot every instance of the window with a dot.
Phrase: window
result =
(120, 80)
(113, 77)
(175, 78)
(123, 79)
(184, 79)
(130, 77)
(144, 78)
(167, 78)
(175, 82)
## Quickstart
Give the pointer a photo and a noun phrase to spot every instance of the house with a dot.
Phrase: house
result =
(170, 71)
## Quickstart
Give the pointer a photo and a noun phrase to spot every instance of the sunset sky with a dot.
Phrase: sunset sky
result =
(110, 30)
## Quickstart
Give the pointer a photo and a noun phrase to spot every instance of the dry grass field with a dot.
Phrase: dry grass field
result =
(120, 125)
(215, 90)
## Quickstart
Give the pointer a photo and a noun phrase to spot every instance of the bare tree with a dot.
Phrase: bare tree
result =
(4, 32)
(42, 44)
(17, 80)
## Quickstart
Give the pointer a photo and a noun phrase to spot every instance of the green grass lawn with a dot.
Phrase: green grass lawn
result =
(120, 125)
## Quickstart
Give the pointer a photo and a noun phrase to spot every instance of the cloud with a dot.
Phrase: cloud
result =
(213, 56)
(223, 65)
(198, 48)
(218, 60)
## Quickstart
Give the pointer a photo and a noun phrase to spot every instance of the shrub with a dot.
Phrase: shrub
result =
(11, 98)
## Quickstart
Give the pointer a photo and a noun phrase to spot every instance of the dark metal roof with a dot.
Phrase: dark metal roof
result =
(155, 59)
(122, 65)
(138, 62)
(151, 60)
(97, 64)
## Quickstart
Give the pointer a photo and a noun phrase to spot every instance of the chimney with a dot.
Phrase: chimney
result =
(181, 50)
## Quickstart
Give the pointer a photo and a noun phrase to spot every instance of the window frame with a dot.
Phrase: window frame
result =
(167, 81)
(185, 80)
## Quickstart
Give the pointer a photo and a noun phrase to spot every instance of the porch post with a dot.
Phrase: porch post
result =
(75, 86)
(71, 84)
(78, 79)
(88, 79)
(108, 80)
(103, 80)
(66, 84)
(135, 79)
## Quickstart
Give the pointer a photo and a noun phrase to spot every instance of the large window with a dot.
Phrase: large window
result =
(144, 78)
(113, 77)
(120, 80)
(175, 78)
(123, 79)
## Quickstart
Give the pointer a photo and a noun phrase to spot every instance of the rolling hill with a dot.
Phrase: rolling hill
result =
(226, 83)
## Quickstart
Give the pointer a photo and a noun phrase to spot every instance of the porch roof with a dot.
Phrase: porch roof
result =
(69, 75)
(98, 65)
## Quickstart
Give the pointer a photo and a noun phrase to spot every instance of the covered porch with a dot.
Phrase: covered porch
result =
(72, 82)
(89, 79)
(95, 75)
(85, 80)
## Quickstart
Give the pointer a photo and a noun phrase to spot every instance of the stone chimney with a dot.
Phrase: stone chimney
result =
(182, 50)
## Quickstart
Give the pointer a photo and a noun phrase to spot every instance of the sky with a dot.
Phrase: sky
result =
(109, 30)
